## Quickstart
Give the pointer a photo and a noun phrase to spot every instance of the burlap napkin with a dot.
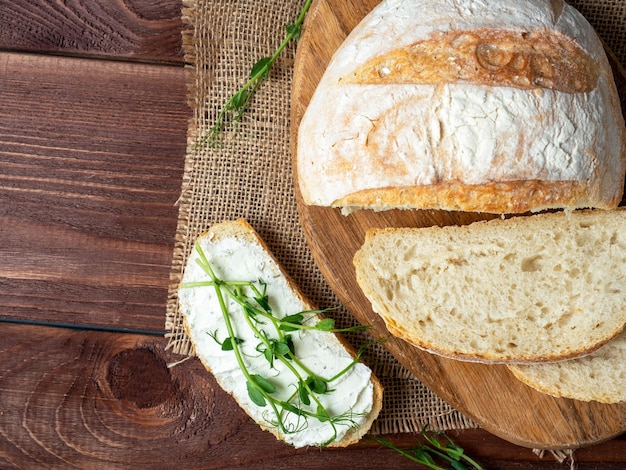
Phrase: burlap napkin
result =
(250, 176)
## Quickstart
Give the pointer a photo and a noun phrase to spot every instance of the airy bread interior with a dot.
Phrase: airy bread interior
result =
(600, 376)
(539, 288)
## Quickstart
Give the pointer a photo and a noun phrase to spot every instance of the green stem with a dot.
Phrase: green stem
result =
(406, 454)
(235, 291)
(237, 104)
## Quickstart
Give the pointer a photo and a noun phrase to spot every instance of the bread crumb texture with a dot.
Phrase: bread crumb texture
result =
(600, 376)
(537, 288)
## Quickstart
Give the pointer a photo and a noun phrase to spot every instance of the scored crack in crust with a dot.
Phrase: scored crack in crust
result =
(494, 57)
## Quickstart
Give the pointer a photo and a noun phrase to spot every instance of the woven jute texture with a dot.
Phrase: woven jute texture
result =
(250, 175)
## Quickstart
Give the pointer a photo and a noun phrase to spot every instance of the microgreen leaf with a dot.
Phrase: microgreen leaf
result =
(295, 318)
(294, 30)
(255, 394)
(281, 348)
(264, 303)
(227, 345)
(291, 408)
(261, 68)
(266, 385)
(424, 457)
(250, 311)
(322, 414)
(240, 99)
(269, 356)
(326, 324)
(456, 465)
(292, 347)
(454, 450)
(317, 385)
(256, 385)
(291, 322)
(303, 394)
(287, 328)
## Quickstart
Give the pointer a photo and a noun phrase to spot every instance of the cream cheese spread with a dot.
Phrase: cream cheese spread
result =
(320, 351)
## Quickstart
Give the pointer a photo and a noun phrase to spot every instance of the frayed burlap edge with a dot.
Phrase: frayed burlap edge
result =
(178, 340)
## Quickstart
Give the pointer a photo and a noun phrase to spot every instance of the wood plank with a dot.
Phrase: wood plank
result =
(103, 400)
(489, 394)
(92, 159)
(108, 400)
(147, 30)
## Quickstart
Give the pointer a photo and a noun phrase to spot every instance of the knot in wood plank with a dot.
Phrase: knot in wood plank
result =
(140, 376)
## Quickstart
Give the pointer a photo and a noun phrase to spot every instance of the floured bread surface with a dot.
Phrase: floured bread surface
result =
(502, 107)
(600, 376)
(237, 253)
(537, 288)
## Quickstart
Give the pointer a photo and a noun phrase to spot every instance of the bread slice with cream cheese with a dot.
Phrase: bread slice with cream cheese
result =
(237, 253)
(544, 287)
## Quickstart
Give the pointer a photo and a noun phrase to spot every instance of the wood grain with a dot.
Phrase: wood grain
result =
(146, 30)
(92, 159)
(88, 399)
(488, 394)
(78, 399)
(103, 400)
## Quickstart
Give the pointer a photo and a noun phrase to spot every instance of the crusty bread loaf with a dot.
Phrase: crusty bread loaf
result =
(504, 107)
(237, 253)
(537, 288)
(600, 376)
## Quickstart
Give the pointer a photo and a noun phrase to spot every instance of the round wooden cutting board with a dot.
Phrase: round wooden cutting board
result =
(489, 394)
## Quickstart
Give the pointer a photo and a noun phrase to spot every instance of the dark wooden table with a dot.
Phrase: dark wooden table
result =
(93, 122)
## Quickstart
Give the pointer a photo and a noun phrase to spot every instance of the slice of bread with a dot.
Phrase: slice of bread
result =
(538, 288)
(237, 253)
(600, 376)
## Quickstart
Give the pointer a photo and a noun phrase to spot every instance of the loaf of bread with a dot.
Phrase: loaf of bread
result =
(505, 106)
(600, 376)
(352, 400)
(534, 288)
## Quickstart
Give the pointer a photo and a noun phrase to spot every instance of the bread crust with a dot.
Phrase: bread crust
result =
(416, 110)
(498, 197)
(240, 229)
(486, 56)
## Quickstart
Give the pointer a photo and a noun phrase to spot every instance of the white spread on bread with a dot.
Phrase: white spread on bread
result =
(235, 258)
(431, 104)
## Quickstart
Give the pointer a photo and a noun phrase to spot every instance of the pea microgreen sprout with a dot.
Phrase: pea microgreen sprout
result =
(236, 106)
(443, 450)
(275, 344)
